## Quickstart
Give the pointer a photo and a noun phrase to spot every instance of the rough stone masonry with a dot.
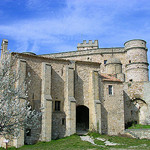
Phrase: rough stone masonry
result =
(91, 89)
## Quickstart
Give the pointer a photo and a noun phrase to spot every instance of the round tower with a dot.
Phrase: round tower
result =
(113, 66)
(136, 60)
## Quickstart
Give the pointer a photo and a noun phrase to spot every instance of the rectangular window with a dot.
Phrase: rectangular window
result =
(63, 121)
(110, 89)
(105, 61)
(57, 105)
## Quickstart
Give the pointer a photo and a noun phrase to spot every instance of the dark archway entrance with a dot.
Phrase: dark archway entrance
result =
(82, 118)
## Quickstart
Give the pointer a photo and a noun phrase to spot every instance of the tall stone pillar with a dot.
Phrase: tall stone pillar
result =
(70, 102)
(94, 102)
(46, 102)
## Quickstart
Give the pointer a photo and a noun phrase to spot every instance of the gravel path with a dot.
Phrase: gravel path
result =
(91, 140)
(88, 139)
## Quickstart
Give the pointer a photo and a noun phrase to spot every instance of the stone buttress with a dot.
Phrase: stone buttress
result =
(94, 102)
(46, 102)
(70, 102)
(21, 68)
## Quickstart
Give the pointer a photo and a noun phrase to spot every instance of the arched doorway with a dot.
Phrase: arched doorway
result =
(82, 118)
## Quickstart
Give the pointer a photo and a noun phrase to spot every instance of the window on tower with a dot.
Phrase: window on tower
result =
(105, 61)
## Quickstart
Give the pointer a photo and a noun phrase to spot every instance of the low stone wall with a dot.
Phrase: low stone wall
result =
(58, 126)
(139, 133)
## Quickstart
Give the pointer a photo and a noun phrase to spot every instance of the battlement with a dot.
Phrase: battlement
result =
(89, 45)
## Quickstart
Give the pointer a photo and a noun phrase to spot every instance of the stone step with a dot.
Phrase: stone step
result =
(81, 132)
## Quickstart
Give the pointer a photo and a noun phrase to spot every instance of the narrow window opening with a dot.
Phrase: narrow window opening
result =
(33, 96)
(129, 61)
(63, 121)
(105, 61)
(62, 72)
(131, 80)
(110, 88)
(57, 105)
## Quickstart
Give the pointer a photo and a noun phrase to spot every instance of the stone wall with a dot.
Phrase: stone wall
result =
(137, 102)
(82, 75)
(146, 98)
(47, 83)
(137, 72)
(58, 125)
(112, 108)
(31, 136)
(99, 55)
(133, 58)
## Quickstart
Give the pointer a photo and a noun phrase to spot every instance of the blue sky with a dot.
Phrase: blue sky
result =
(51, 26)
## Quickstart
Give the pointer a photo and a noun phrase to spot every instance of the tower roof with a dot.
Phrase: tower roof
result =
(113, 60)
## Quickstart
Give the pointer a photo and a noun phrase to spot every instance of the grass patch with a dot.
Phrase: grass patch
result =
(68, 143)
(74, 142)
(139, 126)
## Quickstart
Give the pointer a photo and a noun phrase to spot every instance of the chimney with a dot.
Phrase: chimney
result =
(4, 44)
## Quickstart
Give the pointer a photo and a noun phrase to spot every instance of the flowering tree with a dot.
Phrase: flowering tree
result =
(15, 111)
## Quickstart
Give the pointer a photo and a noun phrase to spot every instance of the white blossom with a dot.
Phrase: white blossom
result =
(15, 110)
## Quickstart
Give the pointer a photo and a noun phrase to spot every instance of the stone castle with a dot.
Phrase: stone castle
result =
(96, 89)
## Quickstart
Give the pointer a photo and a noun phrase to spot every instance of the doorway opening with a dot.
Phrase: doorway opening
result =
(82, 118)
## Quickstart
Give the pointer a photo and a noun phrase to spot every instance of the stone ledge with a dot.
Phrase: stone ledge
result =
(86, 52)
(137, 63)
(136, 48)
(139, 133)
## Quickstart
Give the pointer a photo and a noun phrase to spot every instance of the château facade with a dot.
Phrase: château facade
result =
(96, 89)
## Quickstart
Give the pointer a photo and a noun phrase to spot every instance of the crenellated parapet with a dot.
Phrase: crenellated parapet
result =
(89, 45)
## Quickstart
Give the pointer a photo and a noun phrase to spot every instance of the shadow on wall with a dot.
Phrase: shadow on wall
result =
(79, 95)
(32, 135)
(58, 125)
(58, 116)
(57, 85)
(131, 112)
(104, 113)
(104, 120)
